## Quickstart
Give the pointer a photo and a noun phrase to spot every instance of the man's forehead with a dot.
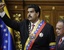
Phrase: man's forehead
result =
(60, 24)
(31, 9)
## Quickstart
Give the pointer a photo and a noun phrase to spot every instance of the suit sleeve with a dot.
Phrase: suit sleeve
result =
(52, 39)
(13, 24)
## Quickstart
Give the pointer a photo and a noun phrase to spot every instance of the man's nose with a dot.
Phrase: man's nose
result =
(56, 30)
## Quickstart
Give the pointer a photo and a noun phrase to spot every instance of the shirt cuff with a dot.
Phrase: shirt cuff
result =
(2, 14)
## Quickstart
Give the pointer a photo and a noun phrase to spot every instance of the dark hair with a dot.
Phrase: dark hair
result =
(36, 7)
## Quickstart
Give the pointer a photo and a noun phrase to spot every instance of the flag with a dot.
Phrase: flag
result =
(6, 38)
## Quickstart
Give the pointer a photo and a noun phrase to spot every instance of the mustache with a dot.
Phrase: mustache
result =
(29, 16)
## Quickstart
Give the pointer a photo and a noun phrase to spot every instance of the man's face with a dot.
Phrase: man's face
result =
(32, 15)
(59, 28)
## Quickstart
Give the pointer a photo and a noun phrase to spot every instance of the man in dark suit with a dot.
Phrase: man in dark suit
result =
(41, 37)
(60, 35)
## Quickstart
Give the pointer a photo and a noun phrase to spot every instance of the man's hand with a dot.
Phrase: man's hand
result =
(2, 6)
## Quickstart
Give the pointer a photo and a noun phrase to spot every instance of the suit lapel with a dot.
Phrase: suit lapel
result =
(57, 40)
(62, 44)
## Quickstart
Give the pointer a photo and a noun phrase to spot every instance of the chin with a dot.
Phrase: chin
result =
(29, 18)
(58, 34)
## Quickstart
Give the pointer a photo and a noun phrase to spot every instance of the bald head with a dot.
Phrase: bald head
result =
(60, 28)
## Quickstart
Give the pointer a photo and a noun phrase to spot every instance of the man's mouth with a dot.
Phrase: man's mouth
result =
(29, 16)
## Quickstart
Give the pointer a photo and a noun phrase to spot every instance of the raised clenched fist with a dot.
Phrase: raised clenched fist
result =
(1, 6)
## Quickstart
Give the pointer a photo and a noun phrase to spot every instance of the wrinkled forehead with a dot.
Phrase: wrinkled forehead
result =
(60, 24)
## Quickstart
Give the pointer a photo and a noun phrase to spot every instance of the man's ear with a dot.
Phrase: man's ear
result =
(37, 14)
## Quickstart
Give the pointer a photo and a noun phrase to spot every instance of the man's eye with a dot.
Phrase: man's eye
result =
(31, 11)
(59, 28)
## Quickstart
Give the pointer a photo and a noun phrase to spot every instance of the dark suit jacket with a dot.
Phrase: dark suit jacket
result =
(61, 46)
(41, 43)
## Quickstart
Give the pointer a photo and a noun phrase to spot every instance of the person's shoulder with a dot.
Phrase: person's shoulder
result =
(48, 24)
(25, 21)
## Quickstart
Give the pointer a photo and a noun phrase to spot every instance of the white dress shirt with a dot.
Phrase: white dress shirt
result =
(31, 25)
(2, 14)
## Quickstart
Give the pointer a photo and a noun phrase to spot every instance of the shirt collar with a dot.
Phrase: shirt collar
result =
(35, 22)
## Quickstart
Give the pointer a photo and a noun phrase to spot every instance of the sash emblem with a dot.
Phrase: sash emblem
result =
(41, 35)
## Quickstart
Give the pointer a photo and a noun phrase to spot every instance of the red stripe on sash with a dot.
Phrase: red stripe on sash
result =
(36, 35)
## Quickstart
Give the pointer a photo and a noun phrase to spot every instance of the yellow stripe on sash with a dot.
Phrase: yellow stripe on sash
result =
(52, 43)
(28, 40)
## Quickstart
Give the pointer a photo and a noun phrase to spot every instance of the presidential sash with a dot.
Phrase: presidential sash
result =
(34, 34)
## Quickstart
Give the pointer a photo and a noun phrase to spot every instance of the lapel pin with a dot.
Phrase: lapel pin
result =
(41, 35)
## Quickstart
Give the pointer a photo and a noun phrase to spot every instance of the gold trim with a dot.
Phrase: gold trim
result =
(52, 43)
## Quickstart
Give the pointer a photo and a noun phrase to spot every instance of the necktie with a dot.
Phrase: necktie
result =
(60, 41)
(33, 26)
